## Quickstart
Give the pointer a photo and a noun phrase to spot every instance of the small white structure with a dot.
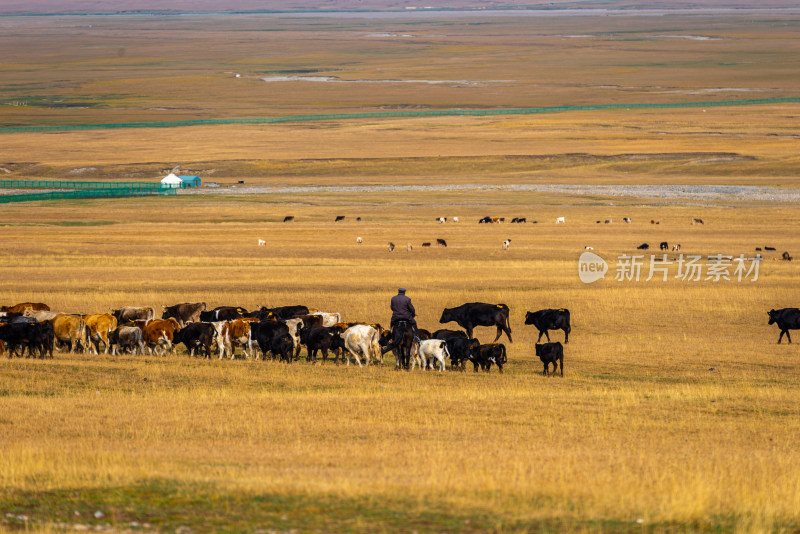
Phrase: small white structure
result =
(172, 180)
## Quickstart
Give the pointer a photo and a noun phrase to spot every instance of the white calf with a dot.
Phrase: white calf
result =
(365, 340)
(455, 219)
(262, 243)
(427, 351)
(359, 240)
(560, 220)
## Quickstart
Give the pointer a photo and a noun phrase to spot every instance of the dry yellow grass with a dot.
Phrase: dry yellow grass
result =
(639, 428)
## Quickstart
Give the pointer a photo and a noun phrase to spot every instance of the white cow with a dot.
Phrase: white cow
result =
(364, 340)
(428, 350)
(329, 319)
(455, 219)
(506, 244)
(560, 220)
(359, 240)
(294, 327)
(262, 243)
(626, 219)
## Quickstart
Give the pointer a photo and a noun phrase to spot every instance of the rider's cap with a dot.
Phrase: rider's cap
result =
(402, 290)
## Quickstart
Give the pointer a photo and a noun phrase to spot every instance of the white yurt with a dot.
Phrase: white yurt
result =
(171, 180)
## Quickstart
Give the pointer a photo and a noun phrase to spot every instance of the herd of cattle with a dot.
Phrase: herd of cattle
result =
(280, 333)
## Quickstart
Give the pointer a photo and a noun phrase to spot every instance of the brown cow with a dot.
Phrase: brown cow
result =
(100, 325)
(70, 330)
(133, 313)
(236, 332)
(186, 312)
(20, 308)
(159, 333)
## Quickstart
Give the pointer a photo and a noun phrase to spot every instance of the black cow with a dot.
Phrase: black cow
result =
(787, 319)
(288, 218)
(549, 319)
(643, 246)
(37, 337)
(441, 242)
(265, 332)
(461, 349)
(339, 218)
(283, 312)
(488, 354)
(664, 245)
(551, 353)
(769, 248)
(473, 314)
(196, 336)
(223, 313)
(282, 347)
(447, 334)
(422, 334)
(319, 338)
(485, 220)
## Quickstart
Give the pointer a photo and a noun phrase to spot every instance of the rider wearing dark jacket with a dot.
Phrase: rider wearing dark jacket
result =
(402, 310)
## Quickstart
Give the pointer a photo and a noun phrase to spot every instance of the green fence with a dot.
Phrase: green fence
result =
(68, 184)
(399, 114)
(85, 193)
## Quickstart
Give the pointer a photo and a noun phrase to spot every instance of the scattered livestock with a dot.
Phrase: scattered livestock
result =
(551, 353)
(643, 246)
(288, 218)
(262, 243)
(626, 219)
(785, 256)
(426, 244)
(697, 221)
(506, 244)
(560, 220)
(676, 248)
(519, 220)
(664, 245)
(588, 248)
(455, 219)
(786, 319)
(441, 242)
(339, 218)
(359, 240)
(409, 248)
(391, 246)
(473, 314)
(550, 319)
(608, 221)
(441, 220)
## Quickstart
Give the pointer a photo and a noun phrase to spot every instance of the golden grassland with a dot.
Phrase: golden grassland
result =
(677, 410)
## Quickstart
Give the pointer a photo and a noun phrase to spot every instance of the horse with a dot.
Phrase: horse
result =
(402, 339)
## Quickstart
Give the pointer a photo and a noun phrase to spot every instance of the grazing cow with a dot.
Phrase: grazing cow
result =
(391, 246)
(288, 218)
(339, 218)
(560, 220)
(643, 246)
(455, 219)
(428, 352)
(461, 349)
(133, 313)
(676, 248)
(159, 333)
(100, 325)
(786, 256)
(697, 221)
(769, 248)
(269, 335)
(359, 240)
(446, 334)
(364, 340)
(664, 245)
(409, 248)
(39, 315)
(441, 220)
(652, 221)
(498, 220)
(20, 308)
(626, 219)
(426, 244)
(196, 337)
(550, 319)
(608, 221)
(236, 332)
(473, 314)
(185, 312)
(282, 312)
(786, 319)
(551, 353)
(488, 354)
(262, 243)
(222, 313)
(485, 220)
(127, 337)
(319, 338)
(506, 244)
(441, 242)
(71, 331)
(328, 319)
